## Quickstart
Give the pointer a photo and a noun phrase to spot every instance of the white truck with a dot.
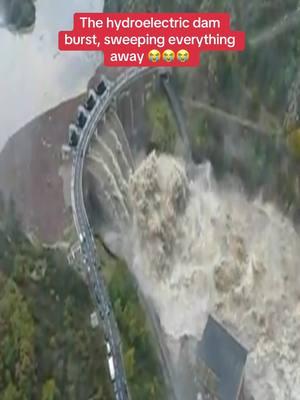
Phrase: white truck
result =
(110, 360)
(108, 349)
(81, 237)
(111, 368)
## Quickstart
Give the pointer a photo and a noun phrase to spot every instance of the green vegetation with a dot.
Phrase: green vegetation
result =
(48, 351)
(140, 356)
(294, 142)
(148, 6)
(201, 137)
(258, 85)
(163, 127)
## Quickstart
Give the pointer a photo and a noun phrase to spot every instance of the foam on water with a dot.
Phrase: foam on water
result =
(199, 248)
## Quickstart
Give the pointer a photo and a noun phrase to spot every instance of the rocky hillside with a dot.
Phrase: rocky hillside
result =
(34, 174)
(30, 172)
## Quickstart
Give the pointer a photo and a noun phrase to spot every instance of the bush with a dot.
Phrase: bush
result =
(141, 360)
(48, 350)
(294, 142)
(163, 137)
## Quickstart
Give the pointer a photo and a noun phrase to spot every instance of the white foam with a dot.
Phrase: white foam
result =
(222, 254)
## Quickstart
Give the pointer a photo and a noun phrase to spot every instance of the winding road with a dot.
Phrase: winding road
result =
(88, 248)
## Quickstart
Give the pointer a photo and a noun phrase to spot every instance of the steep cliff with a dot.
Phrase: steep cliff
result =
(30, 166)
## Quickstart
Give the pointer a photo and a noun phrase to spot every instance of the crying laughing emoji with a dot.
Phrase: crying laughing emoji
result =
(154, 55)
(168, 55)
(183, 56)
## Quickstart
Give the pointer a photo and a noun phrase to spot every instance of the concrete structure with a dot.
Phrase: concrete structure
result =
(65, 151)
(94, 275)
(221, 361)
(94, 320)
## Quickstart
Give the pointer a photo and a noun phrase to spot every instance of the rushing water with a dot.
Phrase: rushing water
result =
(198, 247)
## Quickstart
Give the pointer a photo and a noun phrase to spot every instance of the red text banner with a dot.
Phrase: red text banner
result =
(151, 39)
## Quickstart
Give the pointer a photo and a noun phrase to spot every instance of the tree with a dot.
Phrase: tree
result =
(49, 391)
(145, 383)
(294, 142)
(163, 126)
(129, 360)
(20, 268)
(10, 393)
(16, 339)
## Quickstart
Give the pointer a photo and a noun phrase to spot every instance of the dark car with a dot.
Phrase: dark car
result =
(101, 88)
(98, 297)
(107, 311)
(90, 102)
(81, 119)
(73, 136)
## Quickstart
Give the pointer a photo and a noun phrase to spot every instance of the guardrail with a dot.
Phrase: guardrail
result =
(79, 210)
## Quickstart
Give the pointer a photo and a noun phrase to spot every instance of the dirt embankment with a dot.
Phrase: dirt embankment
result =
(29, 172)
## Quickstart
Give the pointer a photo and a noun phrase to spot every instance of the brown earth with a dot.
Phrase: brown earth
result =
(30, 165)
(29, 172)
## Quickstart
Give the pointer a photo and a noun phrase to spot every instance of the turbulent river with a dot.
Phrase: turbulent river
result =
(197, 246)
(200, 247)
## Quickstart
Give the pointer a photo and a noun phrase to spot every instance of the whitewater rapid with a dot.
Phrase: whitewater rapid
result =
(200, 248)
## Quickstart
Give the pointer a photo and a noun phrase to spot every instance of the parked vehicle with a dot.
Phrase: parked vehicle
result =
(101, 88)
(91, 100)
(108, 348)
(82, 237)
(81, 117)
(111, 367)
(73, 135)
